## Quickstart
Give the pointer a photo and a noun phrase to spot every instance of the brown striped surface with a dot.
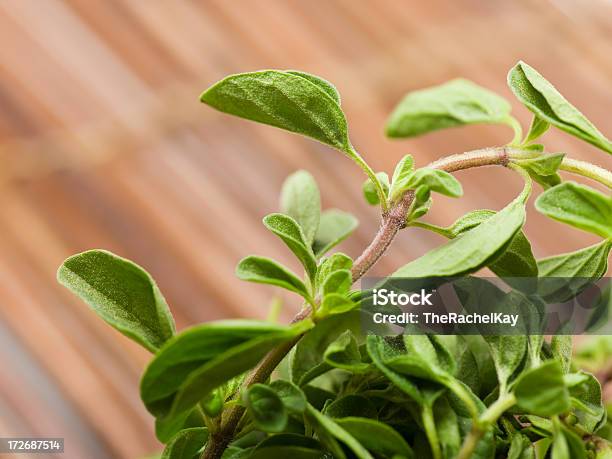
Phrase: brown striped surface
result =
(103, 144)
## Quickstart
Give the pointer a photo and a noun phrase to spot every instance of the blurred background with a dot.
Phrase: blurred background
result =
(103, 144)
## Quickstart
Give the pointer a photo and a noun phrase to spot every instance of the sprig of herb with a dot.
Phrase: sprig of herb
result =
(211, 387)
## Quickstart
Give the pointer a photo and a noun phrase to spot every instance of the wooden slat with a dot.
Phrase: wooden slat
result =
(103, 143)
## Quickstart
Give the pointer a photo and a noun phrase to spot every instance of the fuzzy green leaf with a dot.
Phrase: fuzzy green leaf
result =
(292, 396)
(265, 271)
(351, 405)
(376, 437)
(327, 425)
(292, 235)
(187, 444)
(541, 391)
(266, 408)
(474, 249)
(122, 293)
(300, 199)
(586, 398)
(333, 263)
(202, 358)
(284, 100)
(579, 206)
(335, 227)
(541, 97)
(310, 350)
(369, 189)
(536, 129)
(566, 444)
(344, 353)
(561, 348)
(516, 261)
(402, 172)
(338, 281)
(335, 303)
(590, 262)
(324, 85)
(542, 165)
(456, 103)
(521, 448)
(433, 179)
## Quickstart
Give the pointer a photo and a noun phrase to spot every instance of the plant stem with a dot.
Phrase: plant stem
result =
(355, 156)
(395, 219)
(430, 430)
(484, 423)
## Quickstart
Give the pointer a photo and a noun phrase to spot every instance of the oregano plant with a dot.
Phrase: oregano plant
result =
(321, 387)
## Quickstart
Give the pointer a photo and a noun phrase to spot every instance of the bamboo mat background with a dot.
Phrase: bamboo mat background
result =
(103, 144)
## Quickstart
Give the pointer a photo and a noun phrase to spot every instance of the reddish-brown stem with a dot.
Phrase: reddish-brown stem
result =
(392, 221)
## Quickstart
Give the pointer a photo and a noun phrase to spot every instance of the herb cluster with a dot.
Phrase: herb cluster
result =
(320, 388)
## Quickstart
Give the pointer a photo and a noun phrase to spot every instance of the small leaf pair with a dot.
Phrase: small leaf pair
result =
(307, 232)
(423, 181)
(270, 405)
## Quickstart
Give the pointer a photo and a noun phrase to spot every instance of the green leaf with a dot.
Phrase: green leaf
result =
(561, 348)
(537, 128)
(122, 293)
(541, 97)
(380, 351)
(292, 235)
(521, 448)
(456, 103)
(352, 405)
(284, 100)
(421, 359)
(265, 271)
(370, 192)
(447, 426)
(330, 427)
(376, 437)
(579, 206)
(542, 165)
(507, 352)
(566, 444)
(266, 408)
(292, 396)
(338, 281)
(590, 262)
(187, 444)
(284, 452)
(310, 350)
(517, 259)
(166, 429)
(333, 263)
(200, 359)
(300, 199)
(421, 204)
(324, 85)
(474, 249)
(542, 391)
(344, 353)
(335, 303)
(335, 227)
(587, 400)
(434, 179)
(401, 174)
